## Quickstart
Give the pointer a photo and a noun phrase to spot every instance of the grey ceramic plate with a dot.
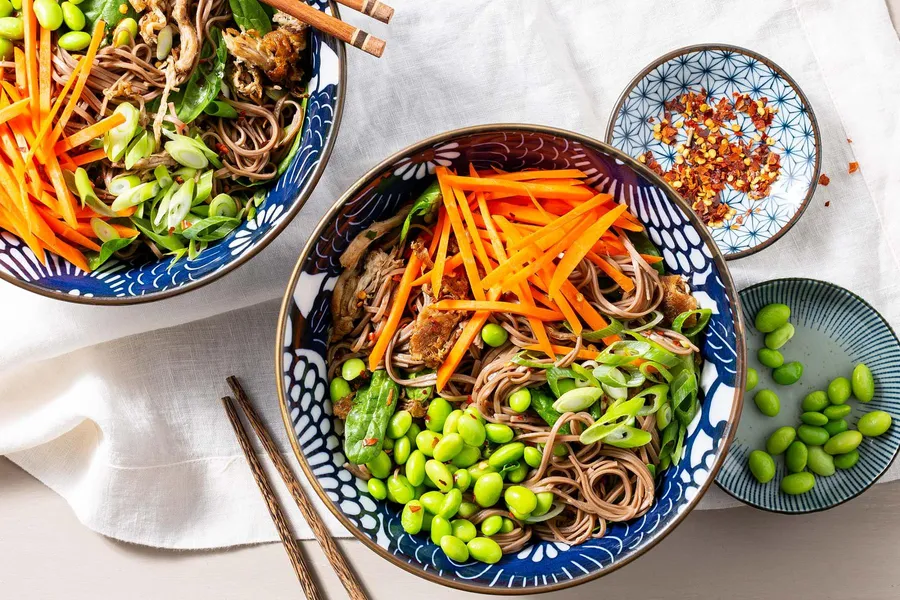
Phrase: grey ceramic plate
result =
(835, 330)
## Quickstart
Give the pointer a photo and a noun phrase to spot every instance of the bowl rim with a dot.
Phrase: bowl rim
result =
(359, 185)
(814, 122)
(890, 463)
(273, 233)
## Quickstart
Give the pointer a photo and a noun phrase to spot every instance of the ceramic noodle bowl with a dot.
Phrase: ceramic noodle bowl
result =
(304, 330)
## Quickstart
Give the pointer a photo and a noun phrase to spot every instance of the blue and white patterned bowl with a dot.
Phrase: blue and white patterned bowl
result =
(118, 282)
(722, 70)
(835, 330)
(304, 327)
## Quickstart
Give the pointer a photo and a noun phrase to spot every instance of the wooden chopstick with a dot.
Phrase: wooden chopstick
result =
(304, 574)
(330, 25)
(332, 552)
(372, 8)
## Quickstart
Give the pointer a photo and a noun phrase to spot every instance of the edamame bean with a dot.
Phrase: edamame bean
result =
(814, 418)
(518, 474)
(415, 468)
(498, 433)
(413, 432)
(520, 499)
(451, 503)
(780, 336)
(863, 383)
(412, 516)
(399, 489)
(770, 358)
(835, 427)
(449, 446)
(780, 439)
(492, 525)
(380, 466)
(752, 379)
(72, 16)
(874, 423)
(352, 367)
(544, 504)
(377, 489)
(463, 529)
(798, 483)
(506, 454)
(339, 389)
(399, 424)
(762, 466)
(532, 457)
(471, 429)
(12, 28)
(488, 489)
(439, 474)
(402, 450)
(844, 442)
(48, 14)
(451, 422)
(472, 411)
(439, 528)
(788, 373)
(485, 550)
(820, 462)
(455, 549)
(387, 445)
(462, 480)
(432, 501)
(478, 470)
(767, 402)
(836, 411)
(437, 414)
(846, 461)
(796, 457)
(427, 440)
(17, 4)
(839, 390)
(520, 400)
(467, 509)
(6, 8)
(771, 317)
(812, 435)
(468, 456)
(6, 49)
(508, 525)
(494, 335)
(815, 401)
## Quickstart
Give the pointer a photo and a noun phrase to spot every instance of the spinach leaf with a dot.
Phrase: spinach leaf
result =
(426, 205)
(211, 229)
(643, 245)
(95, 259)
(205, 82)
(367, 421)
(249, 14)
(542, 403)
(107, 10)
(169, 242)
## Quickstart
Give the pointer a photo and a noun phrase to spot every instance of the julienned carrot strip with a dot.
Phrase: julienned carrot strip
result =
(451, 263)
(124, 231)
(564, 220)
(473, 184)
(436, 236)
(459, 231)
(37, 147)
(11, 149)
(31, 63)
(651, 260)
(21, 71)
(69, 253)
(581, 246)
(88, 157)
(14, 110)
(463, 342)
(505, 307)
(49, 201)
(437, 272)
(89, 133)
(63, 195)
(64, 231)
(45, 72)
(473, 230)
(551, 174)
(397, 307)
(584, 353)
(15, 217)
(14, 190)
(615, 274)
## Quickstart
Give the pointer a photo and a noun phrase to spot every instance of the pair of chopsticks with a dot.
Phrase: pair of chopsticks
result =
(325, 23)
(332, 552)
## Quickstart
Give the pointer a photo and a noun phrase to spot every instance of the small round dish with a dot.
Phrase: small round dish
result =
(835, 330)
(723, 70)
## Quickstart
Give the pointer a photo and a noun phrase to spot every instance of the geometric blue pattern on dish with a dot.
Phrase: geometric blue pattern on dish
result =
(305, 322)
(723, 70)
(835, 330)
(118, 282)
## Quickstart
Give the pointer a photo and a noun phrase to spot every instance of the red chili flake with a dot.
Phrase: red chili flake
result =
(849, 141)
(222, 148)
(827, 203)
(370, 441)
(414, 508)
(442, 482)
(824, 179)
(853, 167)
(434, 441)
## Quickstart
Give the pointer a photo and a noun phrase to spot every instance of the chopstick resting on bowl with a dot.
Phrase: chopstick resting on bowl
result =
(332, 552)
(334, 26)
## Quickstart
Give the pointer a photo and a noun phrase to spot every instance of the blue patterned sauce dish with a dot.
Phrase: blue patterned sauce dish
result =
(834, 330)
(146, 279)
(306, 320)
(751, 222)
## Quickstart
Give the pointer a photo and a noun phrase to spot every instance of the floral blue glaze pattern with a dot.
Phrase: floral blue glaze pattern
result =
(722, 71)
(123, 282)
(306, 321)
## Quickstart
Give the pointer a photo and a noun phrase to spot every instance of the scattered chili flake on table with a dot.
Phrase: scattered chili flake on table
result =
(853, 167)
(713, 152)
(823, 179)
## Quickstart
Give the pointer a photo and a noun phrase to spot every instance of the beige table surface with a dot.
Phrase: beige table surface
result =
(850, 552)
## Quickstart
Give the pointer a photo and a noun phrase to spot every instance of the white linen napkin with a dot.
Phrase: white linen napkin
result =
(117, 409)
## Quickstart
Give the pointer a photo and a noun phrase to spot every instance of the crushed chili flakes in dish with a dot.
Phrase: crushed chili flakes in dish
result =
(712, 152)
(824, 179)
(853, 167)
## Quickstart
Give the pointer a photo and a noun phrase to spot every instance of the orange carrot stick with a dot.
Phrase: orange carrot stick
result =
(14, 110)
(582, 245)
(551, 174)
(473, 230)
(46, 71)
(89, 133)
(451, 263)
(472, 184)
(31, 63)
(542, 314)
(460, 233)
(64, 231)
(615, 274)
(88, 157)
(397, 308)
(463, 342)
(437, 273)
(564, 220)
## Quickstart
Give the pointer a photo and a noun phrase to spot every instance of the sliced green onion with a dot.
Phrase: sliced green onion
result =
(613, 328)
(180, 204)
(616, 393)
(617, 414)
(211, 229)
(163, 177)
(116, 140)
(555, 510)
(201, 211)
(623, 352)
(204, 187)
(657, 394)
(635, 377)
(652, 468)
(136, 195)
(143, 146)
(652, 371)
(584, 377)
(679, 445)
(217, 108)
(609, 375)
(653, 322)
(88, 197)
(105, 232)
(663, 416)
(668, 441)
(122, 183)
(163, 207)
(703, 316)
(577, 400)
(186, 153)
(223, 205)
(167, 242)
(525, 359)
(628, 437)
